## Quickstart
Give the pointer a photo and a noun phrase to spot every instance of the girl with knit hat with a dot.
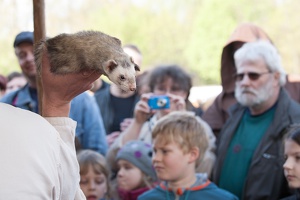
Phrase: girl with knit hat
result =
(135, 172)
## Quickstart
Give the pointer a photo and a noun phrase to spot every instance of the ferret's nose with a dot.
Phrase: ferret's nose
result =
(132, 89)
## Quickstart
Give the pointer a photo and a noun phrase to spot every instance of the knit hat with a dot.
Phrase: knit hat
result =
(139, 154)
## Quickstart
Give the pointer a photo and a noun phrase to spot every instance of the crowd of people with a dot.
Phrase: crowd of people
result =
(95, 141)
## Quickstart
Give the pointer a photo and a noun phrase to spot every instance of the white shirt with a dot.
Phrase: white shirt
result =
(37, 156)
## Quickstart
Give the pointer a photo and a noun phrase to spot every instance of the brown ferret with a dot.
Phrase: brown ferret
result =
(89, 50)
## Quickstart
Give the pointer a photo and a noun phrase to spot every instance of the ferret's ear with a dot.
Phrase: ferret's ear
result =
(117, 40)
(136, 67)
(110, 65)
(131, 59)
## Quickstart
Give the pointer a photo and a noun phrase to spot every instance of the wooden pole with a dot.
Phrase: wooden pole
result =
(39, 33)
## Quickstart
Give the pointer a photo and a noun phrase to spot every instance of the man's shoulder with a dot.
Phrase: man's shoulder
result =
(19, 115)
(290, 107)
(8, 98)
(294, 104)
(12, 96)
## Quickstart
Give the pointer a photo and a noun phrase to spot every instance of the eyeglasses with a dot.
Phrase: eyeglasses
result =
(253, 76)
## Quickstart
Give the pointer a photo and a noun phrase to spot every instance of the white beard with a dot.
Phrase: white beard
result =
(250, 97)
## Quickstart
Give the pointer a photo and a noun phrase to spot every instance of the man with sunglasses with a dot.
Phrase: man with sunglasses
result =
(249, 157)
(217, 113)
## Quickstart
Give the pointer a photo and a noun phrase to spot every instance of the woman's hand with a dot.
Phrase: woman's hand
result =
(177, 103)
(125, 124)
(112, 137)
(142, 111)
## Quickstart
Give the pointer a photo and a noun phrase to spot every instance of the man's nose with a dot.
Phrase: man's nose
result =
(30, 56)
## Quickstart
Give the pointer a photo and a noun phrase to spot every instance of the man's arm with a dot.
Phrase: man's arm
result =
(59, 90)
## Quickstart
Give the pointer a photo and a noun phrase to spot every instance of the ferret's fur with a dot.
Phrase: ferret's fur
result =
(89, 50)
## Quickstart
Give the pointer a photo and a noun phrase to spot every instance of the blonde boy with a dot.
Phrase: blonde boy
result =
(179, 144)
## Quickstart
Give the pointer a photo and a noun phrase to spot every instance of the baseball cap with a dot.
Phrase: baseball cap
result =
(25, 36)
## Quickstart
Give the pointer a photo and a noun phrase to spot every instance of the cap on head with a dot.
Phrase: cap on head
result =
(139, 154)
(25, 36)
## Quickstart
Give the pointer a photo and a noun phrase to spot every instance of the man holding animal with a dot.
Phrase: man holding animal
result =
(38, 158)
(43, 155)
(84, 110)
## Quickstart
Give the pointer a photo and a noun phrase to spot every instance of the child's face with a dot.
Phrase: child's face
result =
(170, 162)
(129, 177)
(292, 164)
(94, 186)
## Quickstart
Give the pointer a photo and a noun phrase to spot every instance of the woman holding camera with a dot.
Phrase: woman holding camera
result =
(174, 84)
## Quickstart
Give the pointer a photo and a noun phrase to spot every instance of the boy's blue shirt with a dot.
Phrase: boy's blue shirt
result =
(206, 190)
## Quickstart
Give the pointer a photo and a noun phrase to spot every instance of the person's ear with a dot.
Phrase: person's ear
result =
(194, 154)
(277, 78)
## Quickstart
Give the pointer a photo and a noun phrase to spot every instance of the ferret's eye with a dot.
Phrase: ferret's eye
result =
(122, 77)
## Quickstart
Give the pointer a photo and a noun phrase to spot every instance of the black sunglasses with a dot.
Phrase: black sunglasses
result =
(253, 76)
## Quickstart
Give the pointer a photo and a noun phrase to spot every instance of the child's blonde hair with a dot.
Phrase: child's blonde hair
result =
(98, 162)
(183, 128)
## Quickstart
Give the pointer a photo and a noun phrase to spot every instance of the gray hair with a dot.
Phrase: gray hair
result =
(252, 51)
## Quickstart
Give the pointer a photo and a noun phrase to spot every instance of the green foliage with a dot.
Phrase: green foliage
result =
(191, 33)
(8, 61)
(212, 26)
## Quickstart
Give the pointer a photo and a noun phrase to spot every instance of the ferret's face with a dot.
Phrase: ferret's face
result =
(124, 77)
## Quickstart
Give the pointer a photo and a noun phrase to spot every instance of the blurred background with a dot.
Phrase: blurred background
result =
(188, 32)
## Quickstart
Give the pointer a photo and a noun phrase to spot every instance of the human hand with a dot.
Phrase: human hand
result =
(59, 90)
(177, 103)
(112, 137)
(125, 123)
(142, 111)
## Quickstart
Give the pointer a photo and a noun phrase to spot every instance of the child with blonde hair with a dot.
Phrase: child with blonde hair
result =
(135, 172)
(179, 144)
(94, 175)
